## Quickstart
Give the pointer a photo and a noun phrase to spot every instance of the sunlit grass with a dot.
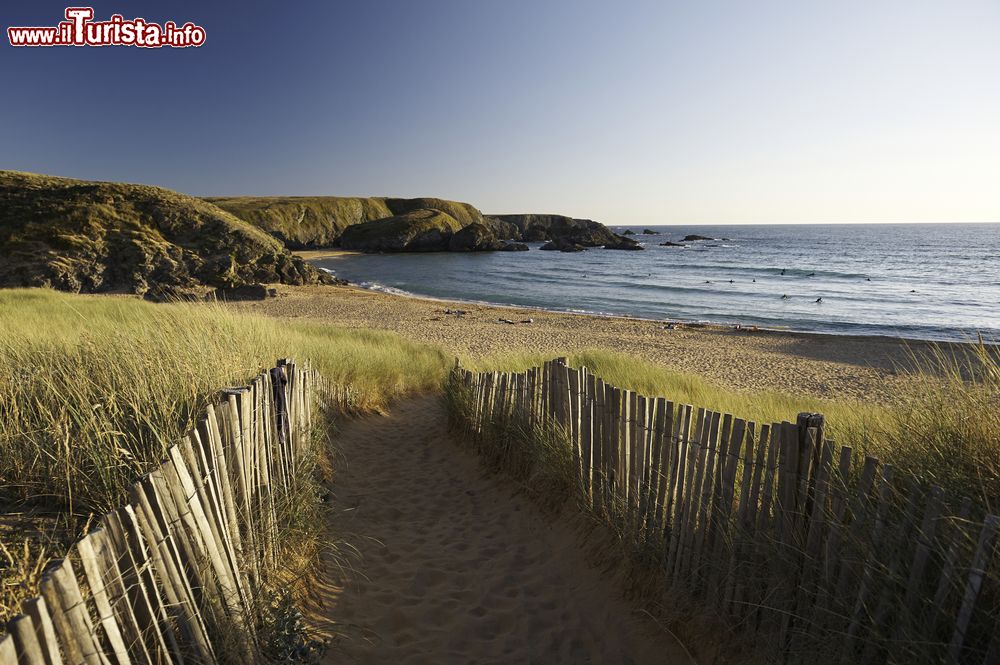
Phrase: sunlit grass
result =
(96, 388)
(845, 418)
(944, 429)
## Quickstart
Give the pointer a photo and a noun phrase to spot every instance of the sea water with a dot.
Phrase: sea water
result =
(924, 281)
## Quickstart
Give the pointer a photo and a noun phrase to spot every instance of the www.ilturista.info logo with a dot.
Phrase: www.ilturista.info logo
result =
(79, 29)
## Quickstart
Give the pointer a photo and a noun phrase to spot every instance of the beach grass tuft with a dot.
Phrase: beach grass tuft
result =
(944, 428)
(95, 388)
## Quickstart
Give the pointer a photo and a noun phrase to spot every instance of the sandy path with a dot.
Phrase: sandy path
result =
(455, 568)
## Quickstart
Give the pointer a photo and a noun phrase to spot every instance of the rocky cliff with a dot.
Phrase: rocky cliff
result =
(403, 225)
(76, 235)
(419, 230)
(564, 233)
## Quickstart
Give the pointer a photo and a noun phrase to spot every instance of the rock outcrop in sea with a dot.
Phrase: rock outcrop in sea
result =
(478, 237)
(534, 228)
(621, 242)
(562, 245)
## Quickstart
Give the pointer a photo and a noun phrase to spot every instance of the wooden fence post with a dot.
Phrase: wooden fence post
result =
(756, 522)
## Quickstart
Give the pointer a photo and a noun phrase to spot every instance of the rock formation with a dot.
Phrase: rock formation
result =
(84, 236)
(420, 230)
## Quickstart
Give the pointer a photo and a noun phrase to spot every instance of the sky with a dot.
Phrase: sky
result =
(625, 112)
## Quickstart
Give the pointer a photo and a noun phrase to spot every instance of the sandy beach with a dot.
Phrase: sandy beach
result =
(747, 360)
(314, 254)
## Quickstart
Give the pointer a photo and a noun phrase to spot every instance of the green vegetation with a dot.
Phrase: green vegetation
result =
(643, 377)
(423, 229)
(307, 222)
(303, 222)
(945, 431)
(76, 236)
(96, 388)
(306, 548)
(463, 213)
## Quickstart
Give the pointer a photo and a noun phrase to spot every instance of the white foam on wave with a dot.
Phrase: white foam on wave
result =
(382, 288)
(391, 290)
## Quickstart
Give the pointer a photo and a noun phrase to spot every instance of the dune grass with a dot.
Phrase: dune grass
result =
(846, 419)
(96, 388)
(945, 430)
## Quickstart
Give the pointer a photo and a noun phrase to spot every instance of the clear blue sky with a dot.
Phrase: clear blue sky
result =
(625, 112)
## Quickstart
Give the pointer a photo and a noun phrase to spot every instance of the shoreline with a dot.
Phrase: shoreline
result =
(375, 287)
(688, 323)
(685, 323)
(821, 365)
(679, 323)
(332, 253)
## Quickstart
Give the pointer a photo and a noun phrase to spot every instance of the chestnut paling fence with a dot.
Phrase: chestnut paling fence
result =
(174, 576)
(805, 551)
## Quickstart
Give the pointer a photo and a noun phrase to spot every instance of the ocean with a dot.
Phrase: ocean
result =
(920, 281)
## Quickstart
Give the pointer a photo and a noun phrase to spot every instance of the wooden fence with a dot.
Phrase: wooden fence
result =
(804, 551)
(174, 576)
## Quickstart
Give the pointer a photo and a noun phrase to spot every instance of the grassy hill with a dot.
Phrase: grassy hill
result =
(82, 236)
(420, 230)
(304, 222)
(422, 224)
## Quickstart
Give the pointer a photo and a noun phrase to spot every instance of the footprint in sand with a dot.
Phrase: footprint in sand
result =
(454, 567)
